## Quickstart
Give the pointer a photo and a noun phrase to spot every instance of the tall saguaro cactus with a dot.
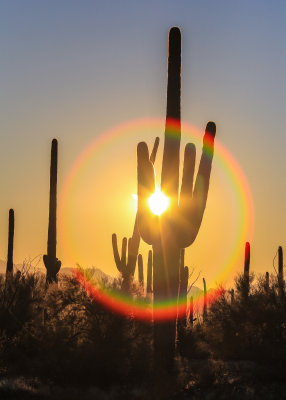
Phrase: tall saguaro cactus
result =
(178, 227)
(51, 262)
(9, 269)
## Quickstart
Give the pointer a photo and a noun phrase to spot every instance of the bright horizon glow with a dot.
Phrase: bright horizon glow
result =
(158, 202)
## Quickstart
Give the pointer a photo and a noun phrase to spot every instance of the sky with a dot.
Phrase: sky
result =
(81, 71)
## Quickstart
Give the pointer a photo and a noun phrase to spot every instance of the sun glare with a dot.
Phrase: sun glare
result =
(158, 202)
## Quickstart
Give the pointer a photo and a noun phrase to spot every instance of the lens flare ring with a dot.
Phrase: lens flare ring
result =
(116, 301)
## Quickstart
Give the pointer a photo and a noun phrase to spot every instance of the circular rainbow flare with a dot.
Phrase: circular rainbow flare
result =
(120, 136)
(125, 305)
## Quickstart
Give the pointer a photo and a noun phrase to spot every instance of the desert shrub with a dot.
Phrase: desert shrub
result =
(250, 327)
(64, 335)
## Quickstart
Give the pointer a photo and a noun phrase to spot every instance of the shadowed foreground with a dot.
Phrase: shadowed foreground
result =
(62, 344)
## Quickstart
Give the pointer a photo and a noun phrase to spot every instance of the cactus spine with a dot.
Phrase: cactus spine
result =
(51, 262)
(149, 272)
(177, 228)
(126, 264)
(205, 306)
(9, 269)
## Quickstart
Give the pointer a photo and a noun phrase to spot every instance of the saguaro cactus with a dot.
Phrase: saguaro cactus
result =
(177, 228)
(9, 269)
(280, 271)
(246, 269)
(205, 306)
(149, 273)
(267, 282)
(51, 262)
(127, 262)
(191, 312)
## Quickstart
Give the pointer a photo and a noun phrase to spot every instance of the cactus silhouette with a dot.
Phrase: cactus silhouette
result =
(280, 271)
(127, 262)
(9, 269)
(51, 262)
(178, 227)
(205, 307)
(267, 282)
(191, 312)
(140, 271)
(149, 272)
(246, 269)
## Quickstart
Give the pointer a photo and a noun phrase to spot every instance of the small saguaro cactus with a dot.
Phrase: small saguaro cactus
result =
(267, 282)
(280, 271)
(246, 269)
(9, 269)
(191, 312)
(205, 306)
(140, 271)
(178, 226)
(51, 262)
(149, 289)
(126, 264)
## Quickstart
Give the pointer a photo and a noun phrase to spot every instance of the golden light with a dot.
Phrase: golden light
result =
(158, 202)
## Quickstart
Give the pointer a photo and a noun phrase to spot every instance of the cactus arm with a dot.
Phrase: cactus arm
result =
(148, 223)
(9, 269)
(188, 175)
(116, 252)
(140, 270)
(123, 251)
(171, 154)
(149, 272)
(154, 150)
(191, 212)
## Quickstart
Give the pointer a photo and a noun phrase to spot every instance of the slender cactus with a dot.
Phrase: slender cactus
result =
(280, 271)
(140, 271)
(51, 262)
(191, 312)
(267, 282)
(9, 269)
(246, 270)
(205, 307)
(126, 264)
(178, 227)
(149, 272)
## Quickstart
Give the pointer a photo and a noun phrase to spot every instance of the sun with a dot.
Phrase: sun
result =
(158, 202)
